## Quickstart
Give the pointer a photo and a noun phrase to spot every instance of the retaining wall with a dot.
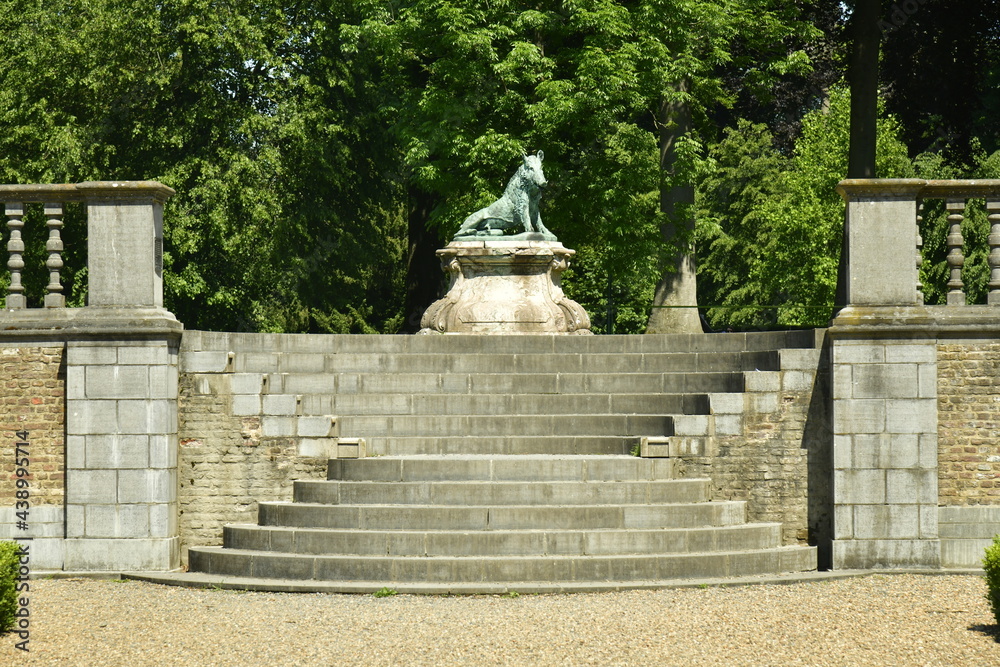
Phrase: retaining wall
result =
(770, 446)
(235, 444)
(226, 466)
(32, 400)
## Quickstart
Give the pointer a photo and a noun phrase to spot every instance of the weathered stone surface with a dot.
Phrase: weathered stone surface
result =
(125, 244)
(229, 465)
(884, 492)
(881, 230)
(505, 287)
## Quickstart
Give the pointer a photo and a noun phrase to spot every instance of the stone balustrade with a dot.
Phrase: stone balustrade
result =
(882, 222)
(95, 388)
(124, 240)
(900, 492)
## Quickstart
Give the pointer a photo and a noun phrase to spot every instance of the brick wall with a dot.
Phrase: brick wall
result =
(969, 423)
(32, 395)
(774, 452)
(225, 464)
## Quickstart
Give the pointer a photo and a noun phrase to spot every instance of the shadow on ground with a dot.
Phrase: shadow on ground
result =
(992, 630)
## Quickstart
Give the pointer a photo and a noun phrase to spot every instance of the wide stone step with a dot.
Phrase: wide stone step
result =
(506, 568)
(505, 425)
(503, 445)
(502, 542)
(318, 383)
(500, 493)
(504, 404)
(521, 468)
(501, 517)
(244, 584)
(490, 362)
(242, 344)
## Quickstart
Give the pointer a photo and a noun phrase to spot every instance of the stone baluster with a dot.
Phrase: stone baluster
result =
(54, 297)
(15, 248)
(919, 258)
(956, 259)
(993, 215)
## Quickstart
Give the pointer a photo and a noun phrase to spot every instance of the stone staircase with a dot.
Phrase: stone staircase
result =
(501, 463)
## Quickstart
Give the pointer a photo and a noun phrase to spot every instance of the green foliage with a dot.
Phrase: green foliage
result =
(384, 592)
(934, 270)
(616, 294)
(470, 86)
(991, 567)
(298, 136)
(8, 594)
(286, 218)
(770, 226)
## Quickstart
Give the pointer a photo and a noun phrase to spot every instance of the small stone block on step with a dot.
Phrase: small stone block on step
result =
(351, 448)
(655, 447)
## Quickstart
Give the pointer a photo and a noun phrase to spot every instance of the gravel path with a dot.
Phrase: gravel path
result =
(876, 620)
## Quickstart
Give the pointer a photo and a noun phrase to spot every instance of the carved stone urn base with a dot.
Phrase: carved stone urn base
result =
(505, 287)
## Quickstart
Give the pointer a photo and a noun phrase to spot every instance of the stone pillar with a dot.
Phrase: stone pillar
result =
(884, 357)
(120, 357)
(121, 454)
(885, 485)
(125, 242)
(881, 231)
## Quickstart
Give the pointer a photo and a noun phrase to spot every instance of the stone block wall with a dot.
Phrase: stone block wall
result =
(228, 461)
(885, 453)
(888, 447)
(121, 454)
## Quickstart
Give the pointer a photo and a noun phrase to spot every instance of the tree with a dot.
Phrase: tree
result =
(283, 219)
(862, 74)
(770, 225)
(782, 103)
(759, 29)
(316, 147)
(940, 72)
(600, 85)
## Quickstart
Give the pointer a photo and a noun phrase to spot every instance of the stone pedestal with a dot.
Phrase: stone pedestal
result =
(508, 286)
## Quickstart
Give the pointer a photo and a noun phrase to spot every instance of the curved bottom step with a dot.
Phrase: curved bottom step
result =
(220, 582)
(459, 570)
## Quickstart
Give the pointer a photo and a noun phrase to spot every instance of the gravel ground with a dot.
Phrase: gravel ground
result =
(875, 620)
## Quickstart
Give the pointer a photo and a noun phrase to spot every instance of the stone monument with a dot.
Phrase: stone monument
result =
(505, 269)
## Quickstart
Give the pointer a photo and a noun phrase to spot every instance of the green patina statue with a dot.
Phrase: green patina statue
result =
(516, 210)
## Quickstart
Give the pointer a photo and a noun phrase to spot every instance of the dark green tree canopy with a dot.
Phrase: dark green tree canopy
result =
(320, 150)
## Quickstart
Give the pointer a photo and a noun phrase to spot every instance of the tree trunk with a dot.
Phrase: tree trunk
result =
(862, 74)
(675, 303)
(423, 271)
(863, 78)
